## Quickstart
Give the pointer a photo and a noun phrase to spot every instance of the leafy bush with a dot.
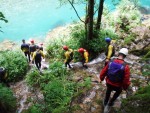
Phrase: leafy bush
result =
(15, 63)
(129, 39)
(54, 48)
(138, 103)
(57, 87)
(7, 100)
(33, 78)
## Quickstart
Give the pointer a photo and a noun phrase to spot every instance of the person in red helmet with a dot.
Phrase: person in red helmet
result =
(32, 48)
(41, 46)
(117, 74)
(68, 55)
(85, 56)
(37, 57)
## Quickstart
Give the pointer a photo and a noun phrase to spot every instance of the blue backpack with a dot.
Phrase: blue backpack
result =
(116, 71)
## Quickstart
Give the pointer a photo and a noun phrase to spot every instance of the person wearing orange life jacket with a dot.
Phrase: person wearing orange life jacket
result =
(69, 56)
(32, 48)
(117, 74)
(110, 49)
(37, 57)
(85, 56)
(25, 49)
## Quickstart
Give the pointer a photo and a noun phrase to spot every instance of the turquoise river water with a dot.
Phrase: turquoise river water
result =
(34, 18)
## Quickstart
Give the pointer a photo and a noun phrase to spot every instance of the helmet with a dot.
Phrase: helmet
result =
(41, 44)
(80, 50)
(107, 39)
(124, 51)
(65, 47)
(32, 41)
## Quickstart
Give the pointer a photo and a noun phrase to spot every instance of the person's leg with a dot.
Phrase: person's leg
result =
(29, 56)
(36, 63)
(107, 95)
(40, 65)
(83, 61)
(118, 91)
(69, 62)
(25, 53)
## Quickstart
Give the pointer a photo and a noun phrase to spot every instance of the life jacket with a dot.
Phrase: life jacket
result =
(116, 71)
(113, 51)
(38, 56)
(41, 48)
(71, 53)
(25, 47)
(32, 48)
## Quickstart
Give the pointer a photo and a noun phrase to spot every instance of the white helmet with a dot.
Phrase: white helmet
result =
(124, 51)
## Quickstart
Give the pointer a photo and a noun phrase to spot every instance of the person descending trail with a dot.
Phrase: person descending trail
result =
(25, 49)
(32, 48)
(110, 49)
(68, 55)
(37, 57)
(85, 57)
(41, 46)
(117, 75)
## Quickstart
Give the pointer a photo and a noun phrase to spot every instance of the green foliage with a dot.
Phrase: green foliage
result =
(54, 48)
(145, 70)
(57, 95)
(138, 103)
(15, 63)
(2, 18)
(33, 78)
(57, 87)
(7, 100)
(129, 39)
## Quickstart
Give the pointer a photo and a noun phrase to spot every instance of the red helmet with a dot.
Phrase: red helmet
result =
(41, 44)
(32, 41)
(80, 50)
(65, 47)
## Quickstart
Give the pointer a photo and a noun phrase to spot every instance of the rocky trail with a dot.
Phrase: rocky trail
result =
(91, 100)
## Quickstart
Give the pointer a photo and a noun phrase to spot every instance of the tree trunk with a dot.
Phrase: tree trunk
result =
(90, 18)
(100, 12)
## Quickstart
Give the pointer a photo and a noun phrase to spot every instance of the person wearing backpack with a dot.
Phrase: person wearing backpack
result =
(25, 49)
(117, 74)
(68, 55)
(32, 48)
(37, 57)
(110, 51)
(85, 57)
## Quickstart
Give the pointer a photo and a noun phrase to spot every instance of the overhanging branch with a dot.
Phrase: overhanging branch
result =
(75, 11)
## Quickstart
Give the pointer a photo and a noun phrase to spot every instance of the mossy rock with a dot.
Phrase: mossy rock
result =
(145, 52)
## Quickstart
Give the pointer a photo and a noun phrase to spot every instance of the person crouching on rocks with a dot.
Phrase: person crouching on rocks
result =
(68, 55)
(37, 57)
(85, 57)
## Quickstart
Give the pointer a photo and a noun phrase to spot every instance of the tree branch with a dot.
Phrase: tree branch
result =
(75, 11)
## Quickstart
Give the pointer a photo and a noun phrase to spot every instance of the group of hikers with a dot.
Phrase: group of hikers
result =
(116, 71)
(33, 50)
